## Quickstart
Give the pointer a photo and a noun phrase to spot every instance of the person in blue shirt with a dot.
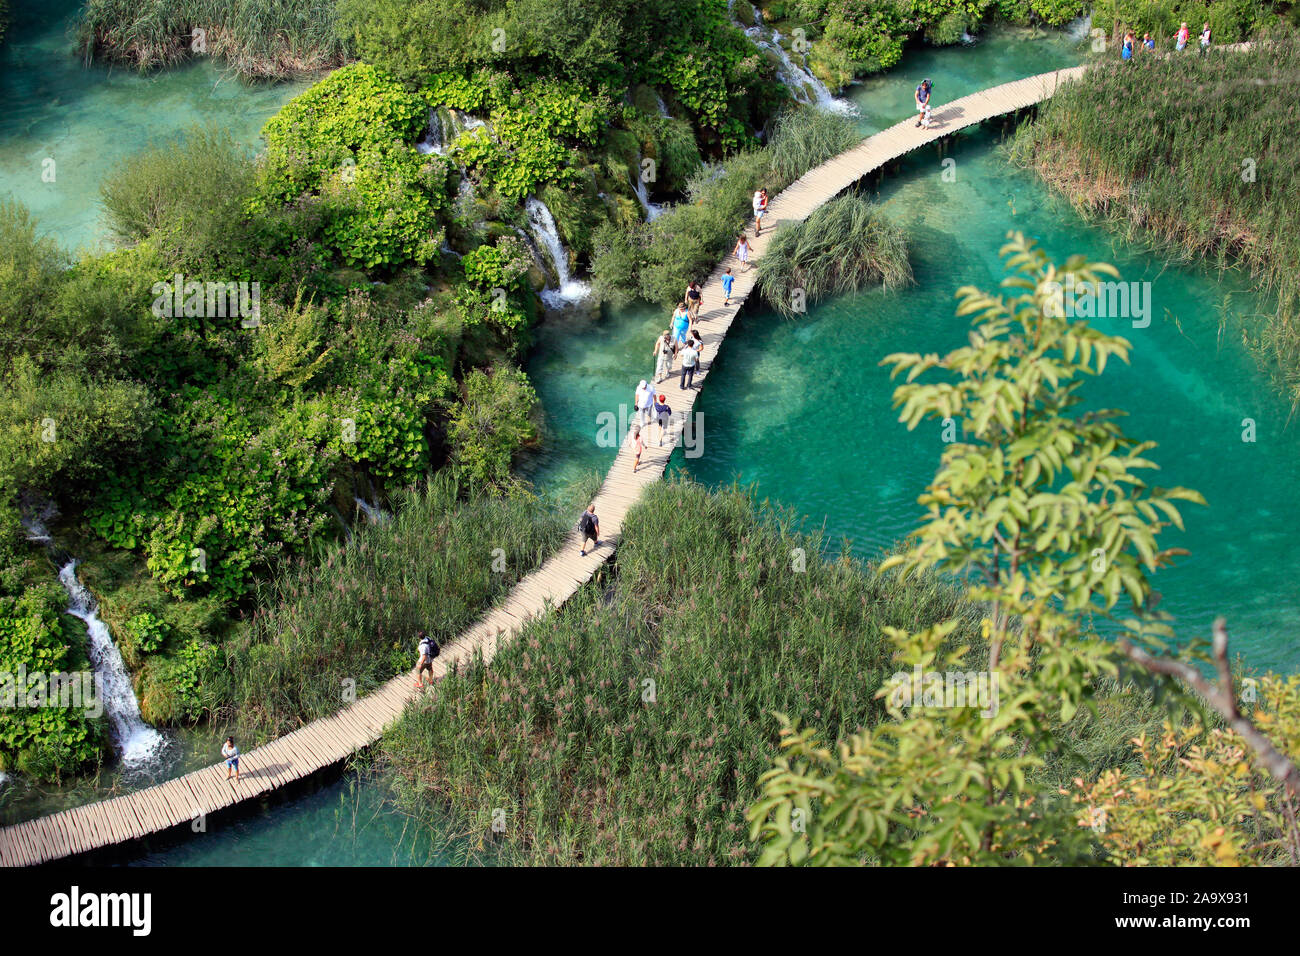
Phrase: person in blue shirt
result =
(1126, 51)
(922, 99)
(681, 322)
(727, 279)
(1147, 42)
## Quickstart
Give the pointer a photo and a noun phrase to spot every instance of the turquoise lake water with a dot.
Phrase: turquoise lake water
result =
(799, 408)
(86, 121)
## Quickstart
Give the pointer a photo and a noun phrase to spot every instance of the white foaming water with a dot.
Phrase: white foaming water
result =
(138, 744)
(653, 210)
(432, 141)
(374, 514)
(662, 106)
(1079, 29)
(803, 85)
(569, 290)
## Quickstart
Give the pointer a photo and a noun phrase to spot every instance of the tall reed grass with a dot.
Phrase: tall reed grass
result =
(351, 613)
(259, 40)
(840, 248)
(1197, 153)
(630, 727)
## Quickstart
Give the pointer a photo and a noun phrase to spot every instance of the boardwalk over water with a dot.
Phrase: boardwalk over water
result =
(328, 741)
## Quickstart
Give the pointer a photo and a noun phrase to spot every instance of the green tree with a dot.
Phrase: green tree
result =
(1043, 508)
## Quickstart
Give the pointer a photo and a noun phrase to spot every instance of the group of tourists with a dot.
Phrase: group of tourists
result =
(1149, 43)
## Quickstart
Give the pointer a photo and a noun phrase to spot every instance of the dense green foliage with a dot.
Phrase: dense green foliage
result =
(840, 248)
(259, 40)
(330, 630)
(346, 146)
(689, 49)
(1209, 168)
(628, 727)
(652, 259)
(48, 741)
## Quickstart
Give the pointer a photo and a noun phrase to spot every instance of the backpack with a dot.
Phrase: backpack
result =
(432, 650)
(587, 524)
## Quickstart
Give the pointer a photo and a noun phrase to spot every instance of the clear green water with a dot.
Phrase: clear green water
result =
(1000, 55)
(88, 120)
(350, 822)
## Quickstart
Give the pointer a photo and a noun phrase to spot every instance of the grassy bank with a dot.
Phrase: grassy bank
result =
(1195, 153)
(258, 40)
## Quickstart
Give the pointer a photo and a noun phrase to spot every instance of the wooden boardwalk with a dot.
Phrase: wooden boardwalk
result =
(183, 800)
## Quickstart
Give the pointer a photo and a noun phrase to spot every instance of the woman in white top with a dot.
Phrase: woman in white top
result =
(741, 251)
(231, 753)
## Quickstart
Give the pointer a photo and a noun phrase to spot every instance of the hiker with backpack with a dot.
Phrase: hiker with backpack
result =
(428, 651)
(589, 528)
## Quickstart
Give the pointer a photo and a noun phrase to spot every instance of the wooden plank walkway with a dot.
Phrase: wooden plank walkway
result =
(332, 739)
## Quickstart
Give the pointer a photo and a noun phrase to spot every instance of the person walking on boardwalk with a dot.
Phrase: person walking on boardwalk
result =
(663, 415)
(681, 322)
(760, 210)
(690, 359)
(1205, 38)
(693, 300)
(638, 445)
(922, 100)
(1180, 38)
(727, 280)
(741, 251)
(589, 528)
(428, 649)
(663, 353)
(645, 410)
(231, 753)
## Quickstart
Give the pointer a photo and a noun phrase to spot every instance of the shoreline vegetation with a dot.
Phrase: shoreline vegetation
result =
(1206, 168)
(259, 41)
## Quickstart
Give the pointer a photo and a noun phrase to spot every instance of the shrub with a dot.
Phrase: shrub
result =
(491, 423)
(841, 247)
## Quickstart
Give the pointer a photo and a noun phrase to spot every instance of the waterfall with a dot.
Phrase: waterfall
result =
(653, 210)
(433, 139)
(662, 107)
(374, 514)
(137, 742)
(1080, 28)
(803, 85)
(569, 290)
(966, 38)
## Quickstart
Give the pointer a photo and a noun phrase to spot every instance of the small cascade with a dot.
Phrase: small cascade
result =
(822, 96)
(803, 85)
(662, 107)
(568, 289)
(966, 38)
(138, 744)
(374, 514)
(653, 210)
(32, 516)
(433, 141)
(1080, 28)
